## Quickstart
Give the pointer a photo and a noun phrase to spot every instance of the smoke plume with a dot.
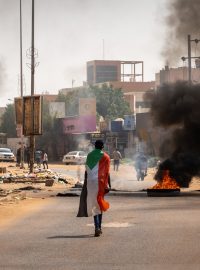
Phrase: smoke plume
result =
(183, 19)
(177, 107)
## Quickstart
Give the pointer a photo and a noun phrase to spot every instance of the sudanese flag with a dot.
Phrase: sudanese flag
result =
(92, 200)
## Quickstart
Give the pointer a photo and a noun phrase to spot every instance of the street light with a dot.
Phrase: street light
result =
(190, 57)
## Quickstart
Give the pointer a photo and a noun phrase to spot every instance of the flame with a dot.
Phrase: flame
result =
(167, 182)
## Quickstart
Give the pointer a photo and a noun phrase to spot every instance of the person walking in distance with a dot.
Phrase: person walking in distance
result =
(116, 158)
(96, 183)
(45, 160)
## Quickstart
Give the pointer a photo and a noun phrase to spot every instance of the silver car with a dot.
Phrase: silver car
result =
(6, 155)
(75, 157)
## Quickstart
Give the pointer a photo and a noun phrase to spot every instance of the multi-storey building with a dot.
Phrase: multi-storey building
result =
(126, 75)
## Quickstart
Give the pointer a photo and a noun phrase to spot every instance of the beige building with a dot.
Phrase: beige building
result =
(171, 75)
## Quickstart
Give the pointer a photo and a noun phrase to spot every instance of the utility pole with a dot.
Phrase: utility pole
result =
(21, 88)
(190, 58)
(189, 61)
(32, 137)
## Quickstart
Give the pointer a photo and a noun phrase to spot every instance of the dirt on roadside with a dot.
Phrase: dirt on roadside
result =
(21, 194)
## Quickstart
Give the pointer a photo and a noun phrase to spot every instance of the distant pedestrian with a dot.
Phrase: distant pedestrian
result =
(18, 157)
(141, 165)
(38, 158)
(97, 180)
(116, 159)
(45, 160)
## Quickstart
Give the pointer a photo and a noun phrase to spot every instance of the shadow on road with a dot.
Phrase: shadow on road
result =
(71, 236)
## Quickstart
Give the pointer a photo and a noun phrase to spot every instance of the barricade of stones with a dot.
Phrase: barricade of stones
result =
(39, 176)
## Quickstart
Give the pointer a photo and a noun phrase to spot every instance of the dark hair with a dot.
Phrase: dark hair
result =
(99, 144)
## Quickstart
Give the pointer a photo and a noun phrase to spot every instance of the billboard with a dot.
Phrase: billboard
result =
(87, 106)
(116, 126)
(32, 115)
(19, 111)
(81, 124)
(57, 109)
(97, 136)
(129, 122)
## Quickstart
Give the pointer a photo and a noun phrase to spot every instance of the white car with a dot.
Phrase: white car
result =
(6, 155)
(75, 157)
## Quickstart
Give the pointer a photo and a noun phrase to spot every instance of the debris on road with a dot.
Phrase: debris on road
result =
(13, 179)
(39, 176)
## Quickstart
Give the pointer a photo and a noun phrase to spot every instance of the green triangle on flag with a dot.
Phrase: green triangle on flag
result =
(93, 158)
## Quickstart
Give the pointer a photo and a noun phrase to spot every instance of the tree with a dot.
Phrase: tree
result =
(110, 102)
(8, 125)
(49, 139)
(72, 100)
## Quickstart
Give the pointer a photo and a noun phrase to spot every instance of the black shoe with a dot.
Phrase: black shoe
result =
(101, 231)
(97, 233)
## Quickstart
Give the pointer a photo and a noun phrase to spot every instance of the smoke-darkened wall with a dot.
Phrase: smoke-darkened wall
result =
(183, 19)
(177, 107)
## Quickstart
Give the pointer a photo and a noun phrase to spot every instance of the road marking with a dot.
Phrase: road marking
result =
(115, 225)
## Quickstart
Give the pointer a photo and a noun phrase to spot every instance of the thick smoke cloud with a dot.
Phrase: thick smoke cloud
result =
(177, 107)
(183, 19)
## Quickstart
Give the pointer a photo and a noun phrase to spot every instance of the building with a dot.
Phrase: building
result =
(66, 91)
(134, 94)
(172, 75)
(100, 71)
(125, 75)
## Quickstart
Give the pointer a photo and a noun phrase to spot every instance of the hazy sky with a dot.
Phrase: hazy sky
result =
(68, 33)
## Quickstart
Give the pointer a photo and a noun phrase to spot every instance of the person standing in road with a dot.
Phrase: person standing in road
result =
(97, 180)
(45, 160)
(116, 158)
(18, 156)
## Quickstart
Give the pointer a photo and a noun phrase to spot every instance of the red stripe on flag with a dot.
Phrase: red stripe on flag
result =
(103, 172)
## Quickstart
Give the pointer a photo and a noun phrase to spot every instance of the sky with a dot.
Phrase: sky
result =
(68, 33)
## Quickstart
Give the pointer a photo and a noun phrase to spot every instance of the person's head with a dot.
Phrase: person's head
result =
(99, 144)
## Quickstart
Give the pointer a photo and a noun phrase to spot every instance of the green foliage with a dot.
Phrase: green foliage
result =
(8, 122)
(49, 139)
(72, 100)
(110, 102)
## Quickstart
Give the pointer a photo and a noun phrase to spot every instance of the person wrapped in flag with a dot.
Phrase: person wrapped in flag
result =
(96, 183)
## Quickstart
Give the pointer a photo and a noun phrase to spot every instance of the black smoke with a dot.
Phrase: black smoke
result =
(183, 19)
(177, 108)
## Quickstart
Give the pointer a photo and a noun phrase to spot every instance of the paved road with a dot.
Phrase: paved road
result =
(125, 179)
(140, 233)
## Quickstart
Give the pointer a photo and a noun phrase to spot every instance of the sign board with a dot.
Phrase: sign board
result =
(97, 136)
(19, 111)
(19, 130)
(129, 122)
(32, 115)
(116, 126)
(57, 109)
(80, 124)
(87, 106)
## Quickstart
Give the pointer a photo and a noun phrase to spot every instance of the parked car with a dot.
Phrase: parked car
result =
(75, 157)
(6, 154)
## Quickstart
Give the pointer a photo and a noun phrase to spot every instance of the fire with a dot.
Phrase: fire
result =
(167, 182)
